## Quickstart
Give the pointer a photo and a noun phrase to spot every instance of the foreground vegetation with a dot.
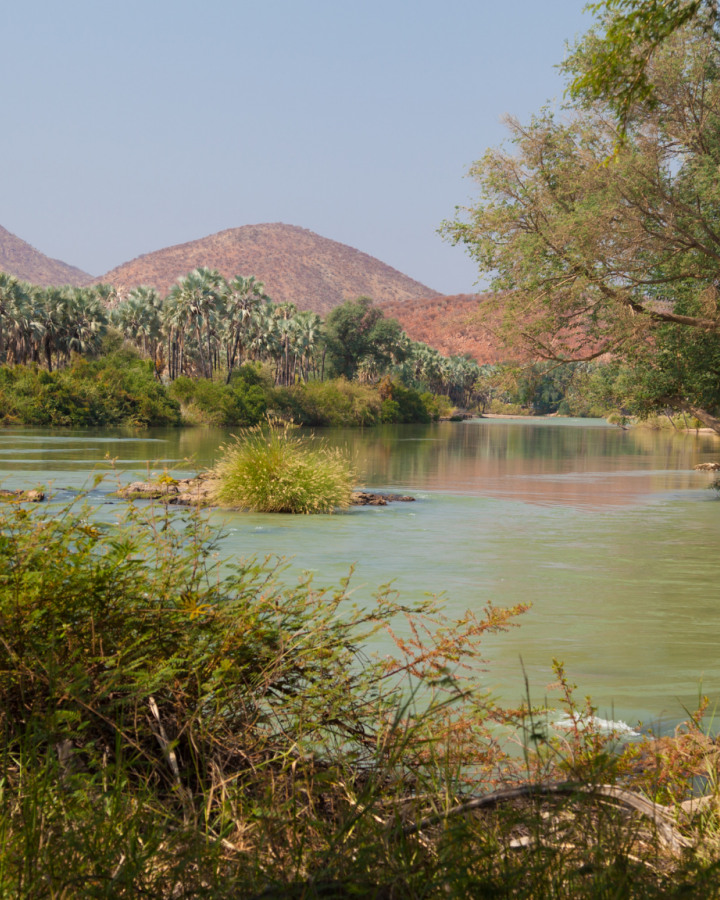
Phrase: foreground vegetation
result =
(176, 728)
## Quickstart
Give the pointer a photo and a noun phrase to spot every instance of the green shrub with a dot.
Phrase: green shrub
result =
(205, 402)
(437, 405)
(119, 389)
(343, 404)
(337, 403)
(269, 470)
(174, 727)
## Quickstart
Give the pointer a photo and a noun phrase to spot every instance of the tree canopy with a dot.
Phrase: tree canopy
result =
(599, 247)
(616, 63)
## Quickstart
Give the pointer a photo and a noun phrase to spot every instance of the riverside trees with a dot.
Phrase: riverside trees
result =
(605, 246)
(207, 325)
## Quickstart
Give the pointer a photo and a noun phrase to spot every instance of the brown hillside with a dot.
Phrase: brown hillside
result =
(18, 258)
(296, 265)
(443, 323)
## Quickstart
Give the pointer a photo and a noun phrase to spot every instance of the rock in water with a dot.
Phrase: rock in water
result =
(23, 496)
(366, 498)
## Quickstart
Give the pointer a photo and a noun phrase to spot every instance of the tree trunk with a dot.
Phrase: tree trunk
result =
(705, 417)
(200, 348)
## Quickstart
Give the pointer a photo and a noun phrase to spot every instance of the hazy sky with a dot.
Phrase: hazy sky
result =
(129, 126)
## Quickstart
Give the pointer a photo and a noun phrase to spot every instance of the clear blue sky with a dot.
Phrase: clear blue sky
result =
(128, 126)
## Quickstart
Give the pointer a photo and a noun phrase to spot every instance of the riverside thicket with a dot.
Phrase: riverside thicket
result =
(174, 726)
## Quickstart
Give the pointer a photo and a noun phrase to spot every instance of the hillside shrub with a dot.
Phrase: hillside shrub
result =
(267, 469)
(118, 389)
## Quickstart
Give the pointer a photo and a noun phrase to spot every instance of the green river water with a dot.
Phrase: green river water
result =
(609, 534)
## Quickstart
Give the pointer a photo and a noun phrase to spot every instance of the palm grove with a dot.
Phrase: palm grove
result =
(220, 349)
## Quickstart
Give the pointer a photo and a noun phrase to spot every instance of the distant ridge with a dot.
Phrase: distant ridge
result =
(18, 258)
(445, 323)
(297, 266)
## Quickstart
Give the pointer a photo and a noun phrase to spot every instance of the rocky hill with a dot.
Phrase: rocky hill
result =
(296, 265)
(444, 323)
(18, 258)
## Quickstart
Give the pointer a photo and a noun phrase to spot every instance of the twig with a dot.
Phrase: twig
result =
(164, 742)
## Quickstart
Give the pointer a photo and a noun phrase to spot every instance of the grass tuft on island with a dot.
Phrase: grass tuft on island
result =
(268, 469)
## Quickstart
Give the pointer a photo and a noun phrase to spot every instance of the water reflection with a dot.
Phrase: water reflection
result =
(609, 534)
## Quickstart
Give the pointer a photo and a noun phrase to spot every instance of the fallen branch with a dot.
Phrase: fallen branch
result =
(662, 816)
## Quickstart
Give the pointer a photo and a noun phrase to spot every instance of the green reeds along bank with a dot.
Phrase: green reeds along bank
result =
(268, 469)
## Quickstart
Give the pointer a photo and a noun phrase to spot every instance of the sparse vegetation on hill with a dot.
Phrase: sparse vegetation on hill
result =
(19, 259)
(297, 266)
(451, 325)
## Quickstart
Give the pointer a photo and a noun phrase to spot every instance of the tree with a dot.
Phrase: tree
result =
(597, 247)
(357, 330)
(615, 65)
(244, 296)
(201, 292)
(138, 317)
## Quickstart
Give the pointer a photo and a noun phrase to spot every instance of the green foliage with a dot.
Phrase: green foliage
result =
(567, 234)
(404, 406)
(616, 68)
(119, 389)
(344, 404)
(266, 469)
(205, 402)
(337, 403)
(357, 331)
(174, 727)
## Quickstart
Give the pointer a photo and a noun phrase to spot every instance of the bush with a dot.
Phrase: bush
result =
(268, 470)
(206, 402)
(119, 389)
(344, 404)
(337, 403)
(171, 727)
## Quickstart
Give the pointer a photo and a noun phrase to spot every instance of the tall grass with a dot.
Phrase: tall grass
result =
(269, 469)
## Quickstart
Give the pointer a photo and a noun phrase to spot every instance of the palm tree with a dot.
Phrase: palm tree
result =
(201, 292)
(15, 314)
(308, 336)
(84, 321)
(244, 296)
(49, 316)
(138, 317)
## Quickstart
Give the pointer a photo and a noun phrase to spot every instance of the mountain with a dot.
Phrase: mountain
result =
(296, 265)
(444, 323)
(18, 258)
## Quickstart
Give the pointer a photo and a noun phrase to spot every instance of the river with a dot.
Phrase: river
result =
(609, 534)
